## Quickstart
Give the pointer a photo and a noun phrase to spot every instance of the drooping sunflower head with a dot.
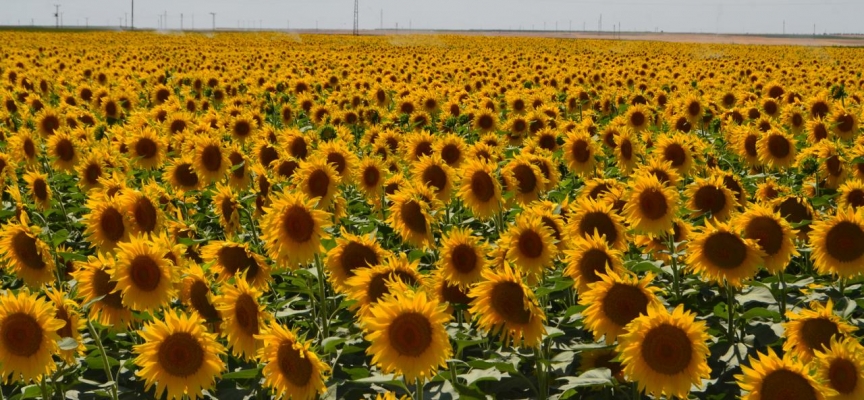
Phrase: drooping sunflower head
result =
(28, 328)
(293, 370)
(841, 367)
(411, 216)
(627, 151)
(351, 254)
(479, 188)
(96, 287)
(37, 182)
(665, 353)
(195, 292)
(505, 306)
(106, 223)
(293, 228)
(235, 260)
(433, 172)
(370, 285)
(663, 170)
(771, 377)
(142, 211)
(243, 318)
(616, 299)
(66, 310)
(524, 179)
(317, 179)
(588, 259)
(838, 244)
(178, 356)
(209, 158)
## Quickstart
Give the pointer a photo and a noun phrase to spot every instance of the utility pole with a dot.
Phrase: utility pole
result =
(193, 22)
(166, 19)
(57, 16)
(214, 21)
(571, 26)
(600, 24)
(784, 26)
(356, 17)
(87, 21)
(181, 21)
(133, 14)
(126, 19)
(382, 19)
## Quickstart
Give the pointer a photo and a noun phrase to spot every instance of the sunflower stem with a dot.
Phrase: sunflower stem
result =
(252, 228)
(322, 293)
(635, 391)
(782, 299)
(104, 356)
(44, 386)
(730, 297)
(842, 287)
(542, 386)
(418, 391)
(676, 284)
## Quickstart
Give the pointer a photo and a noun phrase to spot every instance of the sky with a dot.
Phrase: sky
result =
(705, 16)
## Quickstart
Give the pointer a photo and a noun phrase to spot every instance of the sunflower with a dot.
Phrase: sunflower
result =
(719, 254)
(838, 244)
(692, 108)
(529, 245)
(411, 216)
(317, 179)
(614, 300)
(142, 211)
(638, 117)
(47, 122)
(370, 178)
(485, 121)
(776, 149)
(627, 151)
(851, 195)
(769, 190)
(178, 355)
(771, 232)
(796, 211)
(602, 358)
(63, 149)
(434, 173)
(195, 293)
(676, 150)
(810, 331)
(95, 286)
(370, 285)
(24, 147)
(293, 371)
(773, 378)
(37, 182)
(817, 130)
(504, 305)
(588, 217)
(182, 175)
(242, 127)
(709, 196)
(418, 145)
(90, 169)
(550, 215)
(524, 179)
(651, 205)
(341, 157)
(143, 275)
(662, 170)
(29, 337)
(238, 175)
(106, 224)
(242, 318)
(841, 367)
(844, 124)
(352, 253)
(579, 152)
(546, 139)
(479, 189)
(743, 140)
(66, 310)
(209, 159)
(665, 353)
(292, 229)
(588, 258)
(236, 260)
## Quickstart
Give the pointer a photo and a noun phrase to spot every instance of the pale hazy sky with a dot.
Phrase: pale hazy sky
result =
(710, 16)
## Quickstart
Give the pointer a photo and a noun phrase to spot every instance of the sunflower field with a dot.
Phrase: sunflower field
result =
(265, 215)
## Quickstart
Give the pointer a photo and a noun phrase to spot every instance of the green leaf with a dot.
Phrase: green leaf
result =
(329, 344)
(761, 312)
(479, 375)
(388, 379)
(594, 377)
(242, 374)
(30, 392)
(757, 294)
(67, 343)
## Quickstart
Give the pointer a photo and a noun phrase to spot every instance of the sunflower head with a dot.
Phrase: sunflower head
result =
(810, 331)
(293, 370)
(772, 377)
(837, 243)
(28, 328)
(352, 253)
(614, 300)
(242, 318)
(721, 255)
(293, 228)
(505, 306)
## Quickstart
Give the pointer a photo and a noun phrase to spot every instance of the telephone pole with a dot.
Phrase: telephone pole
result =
(181, 21)
(382, 19)
(214, 21)
(56, 16)
(356, 17)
